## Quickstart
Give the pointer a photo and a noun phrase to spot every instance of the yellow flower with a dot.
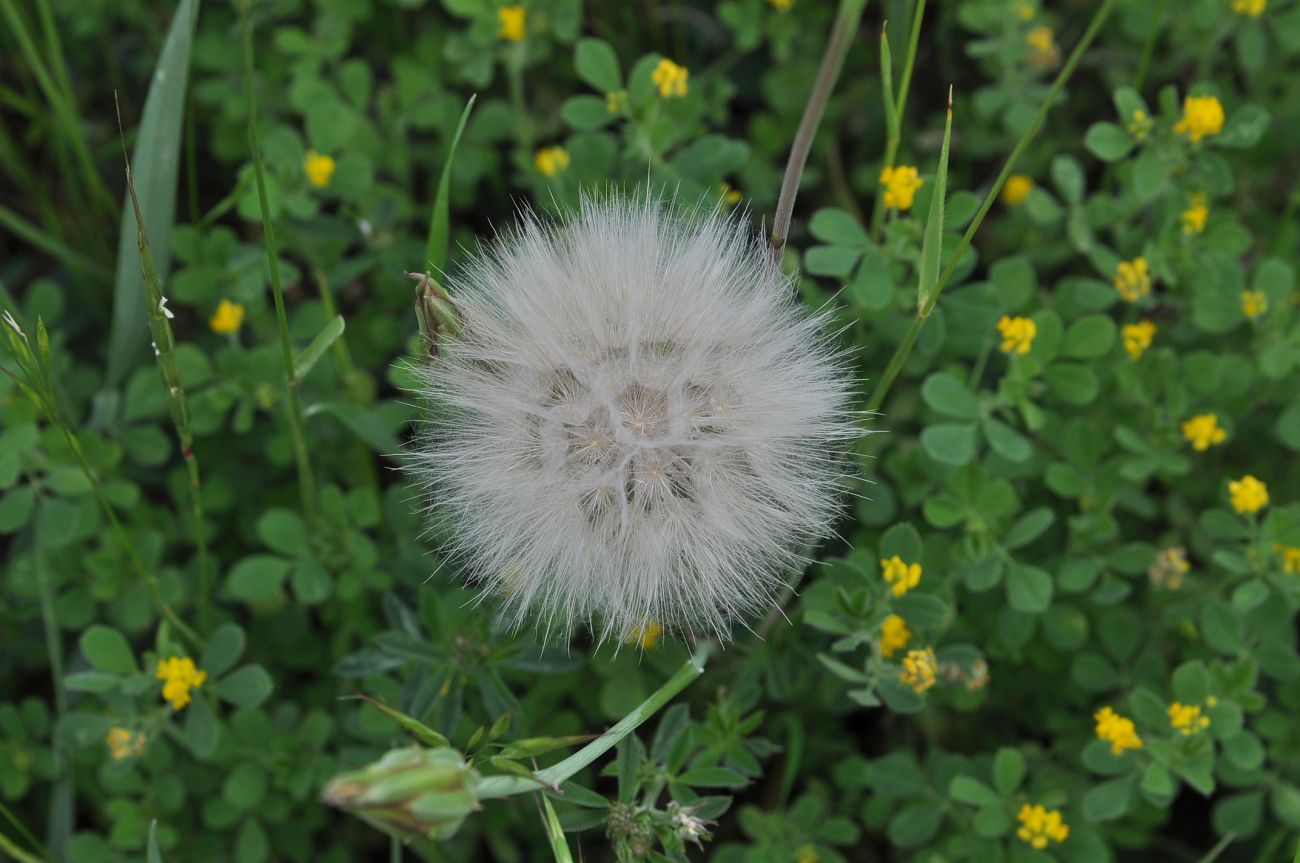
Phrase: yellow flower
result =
(1026, 11)
(180, 676)
(551, 160)
(781, 5)
(514, 23)
(123, 744)
(894, 635)
(1140, 126)
(919, 667)
(1043, 52)
(1117, 730)
(229, 317)
(616, 101)
(1193, 218)
(1169, 568)
(1132, 279)
(1248, 494)
(1253, 303)
(1187, 718)
(669, 78)
(647, 636)
(900, 185)
(1290, 558)
(1017, 189)
(1202, 115)
(1203, 431)
(1039, 825)
(730, 194)
(900, 576)
(1137, 338)
(1251, 8)
(806, 854)
(319, 168)
(1017, 335)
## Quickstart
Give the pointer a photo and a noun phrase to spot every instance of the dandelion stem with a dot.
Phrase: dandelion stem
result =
(909, 339)
(847, 18)
(306, 480)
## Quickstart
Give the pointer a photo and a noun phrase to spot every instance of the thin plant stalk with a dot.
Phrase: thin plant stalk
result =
(164, 344)
(895, 106)
(847, 18)
(55, 248)
(297, 425)
(932, 296)
(54, 649)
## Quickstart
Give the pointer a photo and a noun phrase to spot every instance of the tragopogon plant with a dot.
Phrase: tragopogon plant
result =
(635, 423)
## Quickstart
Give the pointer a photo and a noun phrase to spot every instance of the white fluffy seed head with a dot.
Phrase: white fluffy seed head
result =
(638, 424)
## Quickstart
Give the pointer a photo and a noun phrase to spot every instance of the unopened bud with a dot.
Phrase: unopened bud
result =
(409, 792)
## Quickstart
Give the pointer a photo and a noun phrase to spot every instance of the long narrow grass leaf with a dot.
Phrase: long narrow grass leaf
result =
(932, 244)
(435, 251)
(308, 356)
(554, 832)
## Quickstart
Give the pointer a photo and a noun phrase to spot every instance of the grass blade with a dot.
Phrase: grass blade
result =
(554, 832)
(308, 356)
(931, 245)
(157, 156)
(435, 251)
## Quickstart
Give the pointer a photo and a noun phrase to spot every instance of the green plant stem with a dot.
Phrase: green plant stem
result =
(909, 338)
(523, 123)
(297, 426)
(895, 115)
(505, 786)
(847, 18)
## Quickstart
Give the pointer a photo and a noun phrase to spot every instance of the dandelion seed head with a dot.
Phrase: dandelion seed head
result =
(638, 421)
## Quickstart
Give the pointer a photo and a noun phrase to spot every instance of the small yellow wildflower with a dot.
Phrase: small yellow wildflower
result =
(919, 667)
(781, 5)
(900, 185)
(647, 636)
(670, 78)
(1253, 303)
(1043, 52)
(1193, 218)
(806, 854)
(1132, 279)
(1169, 568)
(229, 317)
(551, 160)
(1187, 718)
(319, 169)
(1026, 11)
(901, 576)
(1141, 125)
(616, 101)
(1017, 335)
(1248, 494)
(123, 744)
(514, 23)
(894, 635)
(1137, 338)
(180, 676)
(1017, 189)
(1203, 431)
(1202, 116)
(1116, 730)
(1250, 8)
(1039, 825)
(730, 194)
(1290, 557)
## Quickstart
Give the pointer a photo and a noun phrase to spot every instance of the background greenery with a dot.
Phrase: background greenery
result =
(1078, 547)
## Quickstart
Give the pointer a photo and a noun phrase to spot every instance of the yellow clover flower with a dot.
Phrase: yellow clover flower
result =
(670, 78)
(551, 160)
(1017, 335)
(1187, 718)
(616, 101)
(1132, 279)
(1249, 8)
(1043, 52)
(179, 676)
(1290, 558)
(228, 318)
(919, 667)
(1169, 568)
(1017, 189)
(123, 744)
(1248, 494)
(1203, 431)
(900, 185)
(1116, 730)
(319, 169)
(1137, 338)
(1039, 825)
(900, 576)
(781, 5)
(647, 635)
(1253, 303)
(1193, 218)
(1202, 116)
(894, 635)
(514, 23)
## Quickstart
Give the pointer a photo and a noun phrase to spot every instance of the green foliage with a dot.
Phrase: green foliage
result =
(1053, 586)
